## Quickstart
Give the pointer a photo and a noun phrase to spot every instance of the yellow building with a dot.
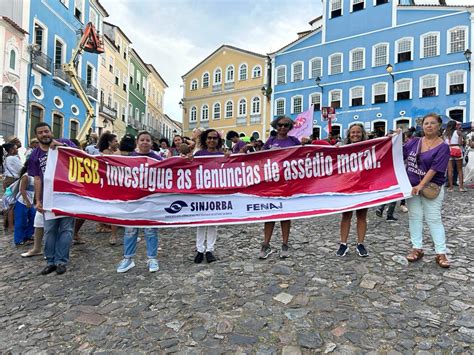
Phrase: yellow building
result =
(154, 101)
(114, 81)
(227, 91)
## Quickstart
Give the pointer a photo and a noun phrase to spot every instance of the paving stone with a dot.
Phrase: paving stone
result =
(311, 340)
(240, 339)
(90, 318)
(283, 297)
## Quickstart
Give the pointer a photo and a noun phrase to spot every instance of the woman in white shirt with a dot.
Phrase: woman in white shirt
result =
(454, 139)
(11, 164)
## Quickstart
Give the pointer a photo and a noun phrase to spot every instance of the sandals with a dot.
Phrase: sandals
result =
(415, 255)
(442, 261)
(450, 189)
(113, 240)
(462, 189)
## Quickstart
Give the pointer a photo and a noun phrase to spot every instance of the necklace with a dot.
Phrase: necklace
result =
(429, 146)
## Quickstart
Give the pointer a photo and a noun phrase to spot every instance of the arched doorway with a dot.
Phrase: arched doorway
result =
(380, 128)
(403, 124)
(9, 105)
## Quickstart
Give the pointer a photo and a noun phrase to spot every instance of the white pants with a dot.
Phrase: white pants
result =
(201, 237)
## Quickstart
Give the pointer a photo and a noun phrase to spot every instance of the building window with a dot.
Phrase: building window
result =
(315, 99)
(336, 8)
(456, 114)
(229, 109)
(193, 114)
(403, 89)
(205, 80)
(357, 59)
(36, 116)
(194, 85)
(380, 2)
(39, 37)
(205, 113)
(457, 83)
(256, 72)
(57, 125)
(281, 75)
(335, 64)
(256, 106)
(242, 107)
(229, 76)
(218, 76)
(379, 92)
(335, 98)
(297, 71)
(243, 72)
(404, 49)
(429, 85)
(296, 104)
(78, 9)
(315, 68)
(457, 39)
(216, 111)
(73, 129)
(12, 60)
(357, 96)
(137, 114)
(280, 107)
(90, 75)
(430, 43)
(380, 54)
(117, 77)
(357, 5)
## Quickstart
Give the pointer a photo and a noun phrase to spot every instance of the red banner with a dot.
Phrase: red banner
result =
(305, 179)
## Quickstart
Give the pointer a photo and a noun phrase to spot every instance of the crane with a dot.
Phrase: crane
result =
(90, 42)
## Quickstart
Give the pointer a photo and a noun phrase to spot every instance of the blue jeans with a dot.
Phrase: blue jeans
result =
(57, 240)
(130, 242)
(24, 218)
(419, 207)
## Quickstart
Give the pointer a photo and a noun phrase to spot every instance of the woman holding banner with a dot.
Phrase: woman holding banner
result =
(283, 125)
(144, 145)
(210, 143)
(427, 160)
(355, 134)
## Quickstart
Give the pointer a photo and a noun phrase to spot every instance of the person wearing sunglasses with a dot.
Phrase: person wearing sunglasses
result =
(210, 143)
(283, 125)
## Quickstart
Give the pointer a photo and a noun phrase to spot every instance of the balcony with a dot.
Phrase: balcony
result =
(217, 88)
(229, 86)
(90, 90)
(241, 121)
(192, 125)
(204, 124)
(41, 62)
(107, 110)
(59, 75)
(254, 119)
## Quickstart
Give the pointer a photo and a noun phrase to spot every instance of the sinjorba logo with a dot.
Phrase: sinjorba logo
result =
(176, 206)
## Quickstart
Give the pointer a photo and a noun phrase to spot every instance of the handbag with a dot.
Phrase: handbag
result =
(454, 151)
(431, 190)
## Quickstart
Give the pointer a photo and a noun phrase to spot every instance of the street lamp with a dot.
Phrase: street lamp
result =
(267, 92)
(389, 69)
(318, 82)
(467, 54)
(180, 103)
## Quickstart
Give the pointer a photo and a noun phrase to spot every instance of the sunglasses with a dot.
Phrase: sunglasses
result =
(213, 138)
(286, 125)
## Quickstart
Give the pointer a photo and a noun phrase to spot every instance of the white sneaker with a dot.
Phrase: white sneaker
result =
(153, 265)
(403, 208)
(125, 265)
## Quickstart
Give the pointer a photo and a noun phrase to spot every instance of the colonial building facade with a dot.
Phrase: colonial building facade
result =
(54, 28)
(137, 105)
(378, 62)
(224, 92)
(155, 94)
(115, 84)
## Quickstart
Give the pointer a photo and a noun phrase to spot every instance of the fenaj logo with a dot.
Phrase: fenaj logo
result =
(264, 206)
(176, 206)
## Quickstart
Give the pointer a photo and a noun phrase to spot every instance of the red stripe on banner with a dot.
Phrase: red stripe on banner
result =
(223, 221)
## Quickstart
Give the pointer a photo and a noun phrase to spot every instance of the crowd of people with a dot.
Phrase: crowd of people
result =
(433, 158)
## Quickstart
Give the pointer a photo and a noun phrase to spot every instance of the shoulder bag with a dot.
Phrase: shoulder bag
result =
(431, 190)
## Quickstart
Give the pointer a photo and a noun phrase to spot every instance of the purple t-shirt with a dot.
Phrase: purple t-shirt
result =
(204, 152)
(39, 157)
(150, 154)
(418, 163)
(274, 142)
(238, 146)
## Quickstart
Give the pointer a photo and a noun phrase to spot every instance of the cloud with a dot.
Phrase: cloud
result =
(176, 35)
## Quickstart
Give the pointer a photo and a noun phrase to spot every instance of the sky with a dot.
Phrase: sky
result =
(175, 35)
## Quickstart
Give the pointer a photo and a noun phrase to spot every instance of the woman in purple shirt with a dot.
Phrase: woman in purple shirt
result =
(283, 125)
(211, 144)
(144, 145)
(427, 160)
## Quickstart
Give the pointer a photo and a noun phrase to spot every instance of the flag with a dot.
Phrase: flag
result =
(303, 125)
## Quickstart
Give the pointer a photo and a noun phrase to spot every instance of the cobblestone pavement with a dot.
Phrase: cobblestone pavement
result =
(312, 302)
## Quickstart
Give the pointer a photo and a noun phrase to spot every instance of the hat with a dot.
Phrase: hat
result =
(10, 139)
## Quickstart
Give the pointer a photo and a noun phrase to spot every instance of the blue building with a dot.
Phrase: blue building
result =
(379, 62)
(55, 28)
